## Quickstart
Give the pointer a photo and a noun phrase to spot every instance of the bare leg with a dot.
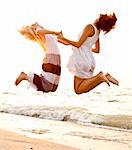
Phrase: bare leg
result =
(20, 78)
(85, 85)
(112, 79)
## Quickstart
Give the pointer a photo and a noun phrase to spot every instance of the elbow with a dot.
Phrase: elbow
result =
(78, 45)
(97, 52)
(40, 32)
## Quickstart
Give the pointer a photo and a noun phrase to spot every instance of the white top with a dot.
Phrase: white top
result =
(81, 62)
(52, 56)
(51, 44)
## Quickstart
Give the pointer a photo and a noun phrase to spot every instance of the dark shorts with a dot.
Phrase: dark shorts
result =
(43, 85)
(51, 67)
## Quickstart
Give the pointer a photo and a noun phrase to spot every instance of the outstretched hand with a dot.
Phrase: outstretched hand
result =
(60, 36)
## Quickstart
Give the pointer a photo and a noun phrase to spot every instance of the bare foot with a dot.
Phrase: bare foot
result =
(112, 79)
(20, 78)
(104, 78)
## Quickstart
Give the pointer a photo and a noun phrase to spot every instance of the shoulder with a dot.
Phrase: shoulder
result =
(89, 29)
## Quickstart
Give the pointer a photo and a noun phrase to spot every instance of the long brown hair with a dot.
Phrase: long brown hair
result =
(106, 22)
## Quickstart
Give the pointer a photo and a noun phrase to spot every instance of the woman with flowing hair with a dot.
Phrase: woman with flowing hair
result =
(48, 80)
(81, 63)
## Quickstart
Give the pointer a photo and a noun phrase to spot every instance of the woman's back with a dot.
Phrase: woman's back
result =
(51, 44)
(90, 41)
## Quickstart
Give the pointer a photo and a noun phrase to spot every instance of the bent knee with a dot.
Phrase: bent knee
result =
(78, 91)
(54, 88)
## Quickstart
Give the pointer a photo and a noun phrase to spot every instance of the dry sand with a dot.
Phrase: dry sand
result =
(13, 141)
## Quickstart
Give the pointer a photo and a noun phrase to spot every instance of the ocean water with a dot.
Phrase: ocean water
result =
(102, 106)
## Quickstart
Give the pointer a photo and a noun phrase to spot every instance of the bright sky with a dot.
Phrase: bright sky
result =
(18, 54)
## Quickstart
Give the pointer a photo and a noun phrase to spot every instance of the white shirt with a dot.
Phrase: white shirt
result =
(81, 62)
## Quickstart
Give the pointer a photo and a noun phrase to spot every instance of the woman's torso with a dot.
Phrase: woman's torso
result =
(52, 61)
(81, 62)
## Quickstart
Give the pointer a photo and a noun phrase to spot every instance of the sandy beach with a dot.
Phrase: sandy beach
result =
(13, 141)
(26, 133)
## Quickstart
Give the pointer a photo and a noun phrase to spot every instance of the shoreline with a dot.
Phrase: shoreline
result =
(63, 134)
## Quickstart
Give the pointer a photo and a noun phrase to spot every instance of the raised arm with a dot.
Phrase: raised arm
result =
(45, 31)
(97, 47)
(40, 30)
(88, 32)
(63, 42)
